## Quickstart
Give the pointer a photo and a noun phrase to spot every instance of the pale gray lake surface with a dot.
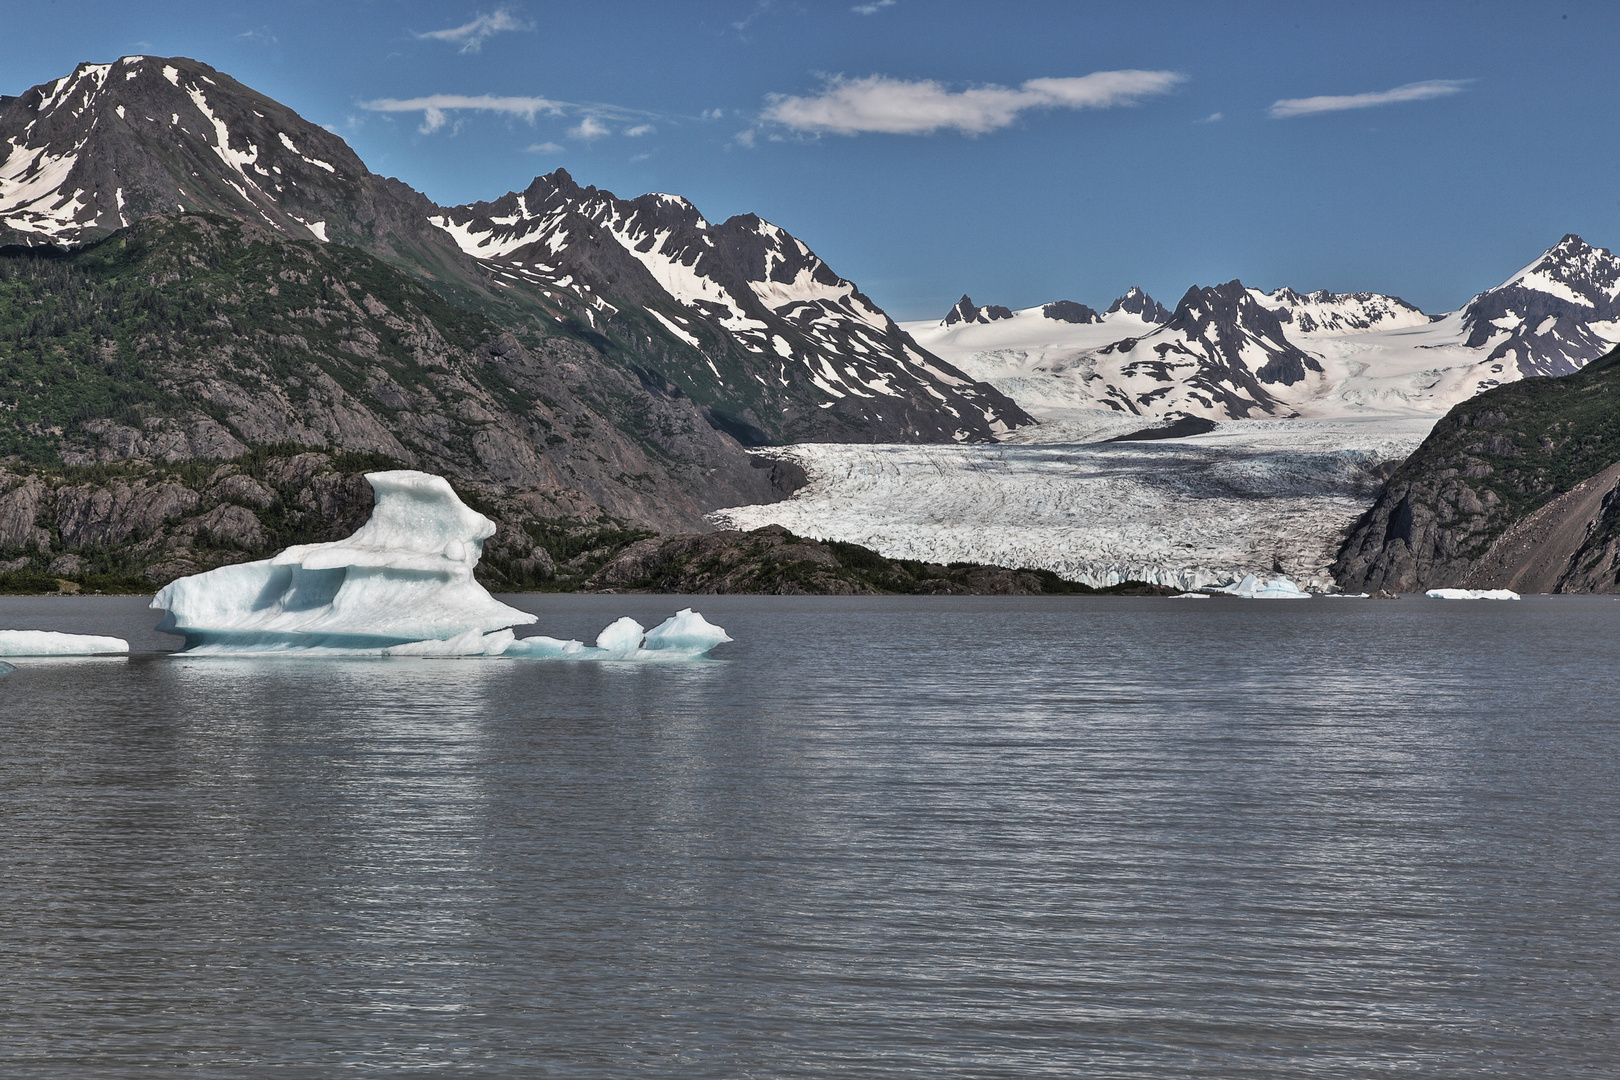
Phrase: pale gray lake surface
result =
(903, 837)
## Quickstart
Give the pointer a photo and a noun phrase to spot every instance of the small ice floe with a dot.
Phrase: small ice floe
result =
(1191, 596)
(1251, 588)
(402, 585)
(1345, 596)
(686, 635)
(1472, 594)
(51, 643)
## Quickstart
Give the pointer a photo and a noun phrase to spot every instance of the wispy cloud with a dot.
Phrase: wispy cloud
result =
(1418, 91)
(471, 36)
(872, 9)
(1212, 118)
(760, 8)
(543, 148)
(640, 129)
(589, 128)
(434, 106)
(879, 103)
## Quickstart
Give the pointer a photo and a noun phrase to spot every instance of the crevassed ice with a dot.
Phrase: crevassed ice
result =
(402, 585)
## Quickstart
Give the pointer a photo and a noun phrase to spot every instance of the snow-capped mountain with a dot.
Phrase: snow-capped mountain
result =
(1323, 312)
(1554, 315)
(740, 316)
(803, 351)
(1232, 352)
(110, 144)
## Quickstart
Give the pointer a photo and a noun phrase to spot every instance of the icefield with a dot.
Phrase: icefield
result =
(1190, 512)
(1472, 594)
(402, 585)
(51, 643)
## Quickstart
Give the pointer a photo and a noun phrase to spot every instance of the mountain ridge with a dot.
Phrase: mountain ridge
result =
(792, 359)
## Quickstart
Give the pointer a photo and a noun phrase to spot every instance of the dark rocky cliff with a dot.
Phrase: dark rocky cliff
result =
(1517, 488)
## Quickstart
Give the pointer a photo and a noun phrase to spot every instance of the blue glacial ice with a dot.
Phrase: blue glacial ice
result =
(402, 585)
(51, 643)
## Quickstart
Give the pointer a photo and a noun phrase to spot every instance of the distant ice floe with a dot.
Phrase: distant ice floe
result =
(1251, 588)
(1472, 594)
(402, 585)
(51, 643)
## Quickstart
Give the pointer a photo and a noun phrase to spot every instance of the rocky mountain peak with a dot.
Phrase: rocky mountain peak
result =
(966, 311)
(1070, 312)
(1136, 302)
(1539, 319)
(98, 149)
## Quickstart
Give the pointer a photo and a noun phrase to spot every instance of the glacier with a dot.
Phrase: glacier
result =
(51, 643)
(1189, 512)
(401, 585)
(1472, 594)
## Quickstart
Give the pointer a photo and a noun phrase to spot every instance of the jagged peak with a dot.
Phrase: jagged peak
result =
(966, 311)
(1139, 303)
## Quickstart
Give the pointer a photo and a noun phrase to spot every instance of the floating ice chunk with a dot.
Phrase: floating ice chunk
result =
(686, 633)
(472, 643)
(546, 648)
(621, 636)
(5, 668)
(406, 576)
(1191, 596)
(1472, 594)
(51, 643)
(1251, 588)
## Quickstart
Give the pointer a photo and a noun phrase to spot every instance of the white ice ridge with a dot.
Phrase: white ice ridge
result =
(402, 585)
(1472, 594)
(51, 643)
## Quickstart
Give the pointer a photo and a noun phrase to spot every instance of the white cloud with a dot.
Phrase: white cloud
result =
(1212, 117)
(1418, 91)
(713, 114)
(434, 106)
(543, 148)
(900, 107)
(872, 9)
(589, 128)
(745, 138)
(640, 129)
(471, 37)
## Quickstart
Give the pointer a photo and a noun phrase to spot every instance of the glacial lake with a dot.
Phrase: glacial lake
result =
(897, 837)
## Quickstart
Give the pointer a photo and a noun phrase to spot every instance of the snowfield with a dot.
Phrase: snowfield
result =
(1247, 498)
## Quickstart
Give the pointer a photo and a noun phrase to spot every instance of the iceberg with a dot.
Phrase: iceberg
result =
(1251, 588)
(1472, 594)
(402, 585)
(405, 576)
(51, 643)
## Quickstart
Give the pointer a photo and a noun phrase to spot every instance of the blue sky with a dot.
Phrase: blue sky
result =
(1018, 152)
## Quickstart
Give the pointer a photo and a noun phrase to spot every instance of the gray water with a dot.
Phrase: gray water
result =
(985, 837)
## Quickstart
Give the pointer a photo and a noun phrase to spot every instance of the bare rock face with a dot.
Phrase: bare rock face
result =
(90, 514)
(21, 500)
